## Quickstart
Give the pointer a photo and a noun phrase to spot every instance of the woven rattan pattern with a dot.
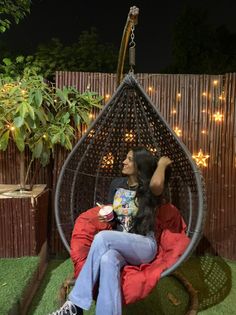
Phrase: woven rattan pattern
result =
(128, 120)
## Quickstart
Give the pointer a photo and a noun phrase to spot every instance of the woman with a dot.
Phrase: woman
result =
(135, 200)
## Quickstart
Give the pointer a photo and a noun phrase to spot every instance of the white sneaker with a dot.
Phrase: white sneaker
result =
(67, 309)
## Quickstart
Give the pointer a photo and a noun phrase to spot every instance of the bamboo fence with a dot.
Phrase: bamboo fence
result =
(202, 111)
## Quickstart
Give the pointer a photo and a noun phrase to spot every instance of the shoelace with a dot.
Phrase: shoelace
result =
(67, 307)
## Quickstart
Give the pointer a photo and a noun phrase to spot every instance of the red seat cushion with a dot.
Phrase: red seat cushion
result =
(136, 281)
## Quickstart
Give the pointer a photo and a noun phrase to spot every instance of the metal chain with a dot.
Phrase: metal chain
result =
(132, 42)
(132, 45)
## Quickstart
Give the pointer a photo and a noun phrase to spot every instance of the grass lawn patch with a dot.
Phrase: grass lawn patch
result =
(168, 298)
(15, 276)
(227, 306)
(47, 297)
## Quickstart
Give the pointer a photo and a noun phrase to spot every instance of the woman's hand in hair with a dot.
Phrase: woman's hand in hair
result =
(164, 161)
(158, 178)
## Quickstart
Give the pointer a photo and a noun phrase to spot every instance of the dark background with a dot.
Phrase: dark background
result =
(153, 34)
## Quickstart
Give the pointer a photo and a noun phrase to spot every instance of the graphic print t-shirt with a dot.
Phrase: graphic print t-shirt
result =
(123, 203)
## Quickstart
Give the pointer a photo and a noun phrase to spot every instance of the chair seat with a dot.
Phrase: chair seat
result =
(136, 281)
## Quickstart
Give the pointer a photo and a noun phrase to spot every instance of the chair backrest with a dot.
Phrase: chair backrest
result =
(127, 120)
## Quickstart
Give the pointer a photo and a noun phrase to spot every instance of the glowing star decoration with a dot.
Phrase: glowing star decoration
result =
(107, 161)
(178, 131)
(200, 158)
(218, 116)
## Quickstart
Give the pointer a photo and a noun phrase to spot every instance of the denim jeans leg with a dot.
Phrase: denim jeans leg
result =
(135, 249)
(109, 300)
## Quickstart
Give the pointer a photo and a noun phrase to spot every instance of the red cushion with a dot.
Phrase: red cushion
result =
(136, 281)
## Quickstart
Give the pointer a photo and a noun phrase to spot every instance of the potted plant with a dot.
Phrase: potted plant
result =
(35, 114)
(37, 117)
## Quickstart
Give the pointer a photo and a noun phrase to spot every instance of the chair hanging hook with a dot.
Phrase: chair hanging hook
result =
(132, 45)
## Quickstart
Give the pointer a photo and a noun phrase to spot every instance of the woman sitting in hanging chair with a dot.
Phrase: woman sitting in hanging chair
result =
(131, 239)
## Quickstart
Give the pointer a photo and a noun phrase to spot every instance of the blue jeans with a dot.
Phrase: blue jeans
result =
(109, 252)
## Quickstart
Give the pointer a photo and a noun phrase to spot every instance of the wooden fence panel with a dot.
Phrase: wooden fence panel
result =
(188, 103)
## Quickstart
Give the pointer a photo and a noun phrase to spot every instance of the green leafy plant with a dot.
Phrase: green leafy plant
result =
(35, 114)
(12, 10)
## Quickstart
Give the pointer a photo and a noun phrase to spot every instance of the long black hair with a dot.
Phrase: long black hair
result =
(145, 163)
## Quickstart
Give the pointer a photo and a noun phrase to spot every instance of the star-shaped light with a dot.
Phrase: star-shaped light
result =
(218, 116)
(200, 158)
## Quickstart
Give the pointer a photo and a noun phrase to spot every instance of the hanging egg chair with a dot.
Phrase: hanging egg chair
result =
(129, 119)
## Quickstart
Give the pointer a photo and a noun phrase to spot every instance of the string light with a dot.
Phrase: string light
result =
(215, 82)
(218, 116)
(107, 160)
(91, 116)
(173, 111)
(91, 133)
(130, 136)
(150, 89)
(203, 132)
(178, 95)
(107, 96)
(204, 94)
(178, 131)
(200, 158)
(88, 86)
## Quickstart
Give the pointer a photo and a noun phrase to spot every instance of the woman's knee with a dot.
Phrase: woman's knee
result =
(101, 237)
(112, 257)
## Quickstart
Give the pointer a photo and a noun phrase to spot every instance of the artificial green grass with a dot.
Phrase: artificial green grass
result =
(158, 302)
(15, 275)
(227, 306)
(47, 297)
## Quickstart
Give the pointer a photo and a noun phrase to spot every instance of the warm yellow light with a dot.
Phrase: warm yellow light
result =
(203, 132)
(150, 89)
(178, 131)
(91, 133)
(152, 149)
(200, 158)
(218, 116)
(173, 111)
(215, 82)
(179, 95)
(107, 96)
(88, 86)
(130, 136)
(107, 161)
(203, 111)
(204, 94)
(12, 128)
(91, 115)
(44, 136)
(23, 91)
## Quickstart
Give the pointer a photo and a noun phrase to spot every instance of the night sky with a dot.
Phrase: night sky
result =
(65, 19)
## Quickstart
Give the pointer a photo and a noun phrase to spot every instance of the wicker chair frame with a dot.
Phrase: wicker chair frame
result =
(127, 120)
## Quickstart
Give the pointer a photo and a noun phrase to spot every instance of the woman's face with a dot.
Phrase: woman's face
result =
(128, 165)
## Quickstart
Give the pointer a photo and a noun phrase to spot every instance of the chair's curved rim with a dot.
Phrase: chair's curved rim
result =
(130, 80)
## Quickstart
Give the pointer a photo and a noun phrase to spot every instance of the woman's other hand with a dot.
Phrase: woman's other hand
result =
(164, 161)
